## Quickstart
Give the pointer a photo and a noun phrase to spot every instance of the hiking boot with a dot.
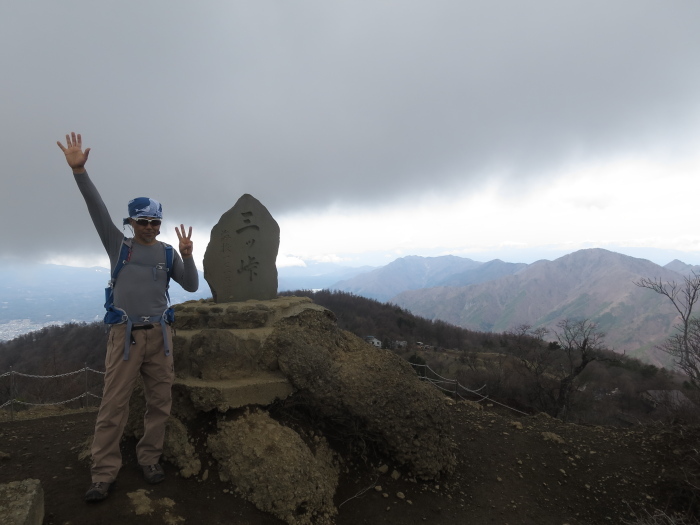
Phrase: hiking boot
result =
(153, 473)
(98, 491)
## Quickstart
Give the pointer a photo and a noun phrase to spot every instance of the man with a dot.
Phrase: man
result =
(140, 338)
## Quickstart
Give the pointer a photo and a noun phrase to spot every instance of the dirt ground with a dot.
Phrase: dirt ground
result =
(511, 470)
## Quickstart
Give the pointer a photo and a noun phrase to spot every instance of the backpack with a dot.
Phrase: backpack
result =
(116, 315)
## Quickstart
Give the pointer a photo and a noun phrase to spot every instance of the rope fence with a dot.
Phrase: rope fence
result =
(451, 387)
(455, 388)
(17, 399)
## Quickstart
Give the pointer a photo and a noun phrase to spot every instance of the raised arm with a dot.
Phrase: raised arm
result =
(188, 278)
(110, 235)
(75, 156)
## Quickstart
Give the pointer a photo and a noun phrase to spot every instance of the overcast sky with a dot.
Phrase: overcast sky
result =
(370, 129)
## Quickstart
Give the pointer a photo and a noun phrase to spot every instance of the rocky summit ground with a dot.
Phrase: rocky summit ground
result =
(511, 470)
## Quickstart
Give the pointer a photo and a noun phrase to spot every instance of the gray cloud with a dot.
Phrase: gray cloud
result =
(311, 103)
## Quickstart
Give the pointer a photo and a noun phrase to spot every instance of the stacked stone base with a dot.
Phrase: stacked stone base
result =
(233, 360)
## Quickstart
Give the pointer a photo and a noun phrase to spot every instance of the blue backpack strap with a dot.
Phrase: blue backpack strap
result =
(115, 315)
(168, 316)
(169, 257)
(124, 256)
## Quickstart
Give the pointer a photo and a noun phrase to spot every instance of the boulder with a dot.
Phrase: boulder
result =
(179, 451)
(345, 377)
(22, 503)
(272, 466)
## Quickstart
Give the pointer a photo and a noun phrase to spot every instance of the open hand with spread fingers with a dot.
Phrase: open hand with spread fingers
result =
(75, 156)
(185, 241)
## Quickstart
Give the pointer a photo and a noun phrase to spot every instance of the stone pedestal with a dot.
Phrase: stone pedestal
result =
(233, 360)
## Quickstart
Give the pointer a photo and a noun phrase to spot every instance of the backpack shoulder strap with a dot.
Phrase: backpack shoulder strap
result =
(124, 256)
(169, 257)
(112, 316)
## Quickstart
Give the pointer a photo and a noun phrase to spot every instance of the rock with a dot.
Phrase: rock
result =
(471, 404)
(239, 262)
(84, 453)
(262, 389)
(22, 503)
(178, 450)
(346, 379)
(143, 505)
(221, 354)
(551, 436)
(227, 341)
(272, 467)
(230, 356)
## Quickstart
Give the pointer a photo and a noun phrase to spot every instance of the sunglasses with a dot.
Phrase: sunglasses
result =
(146, 222)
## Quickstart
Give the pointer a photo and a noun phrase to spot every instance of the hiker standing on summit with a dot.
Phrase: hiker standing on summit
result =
(140, 338)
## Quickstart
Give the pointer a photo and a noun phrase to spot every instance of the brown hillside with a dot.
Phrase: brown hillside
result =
(595, 284)
(406, 273)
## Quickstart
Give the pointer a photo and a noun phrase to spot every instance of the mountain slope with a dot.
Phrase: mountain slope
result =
(682, 268)
(595, 284)
(488, 271)
(315, 275)
(406, 273)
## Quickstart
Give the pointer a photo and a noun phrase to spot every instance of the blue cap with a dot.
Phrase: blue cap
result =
(144, 207)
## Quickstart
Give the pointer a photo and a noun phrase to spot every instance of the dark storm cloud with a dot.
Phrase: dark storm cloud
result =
(313, 103)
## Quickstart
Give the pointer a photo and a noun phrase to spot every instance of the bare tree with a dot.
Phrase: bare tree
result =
(683, 346)
(582, 344)
(554, 366)
(536, 359)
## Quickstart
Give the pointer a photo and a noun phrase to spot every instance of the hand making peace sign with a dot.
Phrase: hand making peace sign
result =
(185, 241)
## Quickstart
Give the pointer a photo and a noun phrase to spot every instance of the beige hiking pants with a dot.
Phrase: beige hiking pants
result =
(147, 357)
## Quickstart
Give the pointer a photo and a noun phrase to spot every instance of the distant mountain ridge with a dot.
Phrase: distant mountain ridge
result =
(487, 271)
(593, 283)
(682, 268)
(316, 276)
(407, 273)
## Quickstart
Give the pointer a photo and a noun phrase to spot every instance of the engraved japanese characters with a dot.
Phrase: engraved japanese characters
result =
(239, 263)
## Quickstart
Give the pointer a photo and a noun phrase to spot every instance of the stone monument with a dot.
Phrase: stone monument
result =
(240, 259)
(245, 350)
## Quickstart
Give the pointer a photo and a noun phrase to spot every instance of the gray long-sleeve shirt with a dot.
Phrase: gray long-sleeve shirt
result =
(141, 287)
